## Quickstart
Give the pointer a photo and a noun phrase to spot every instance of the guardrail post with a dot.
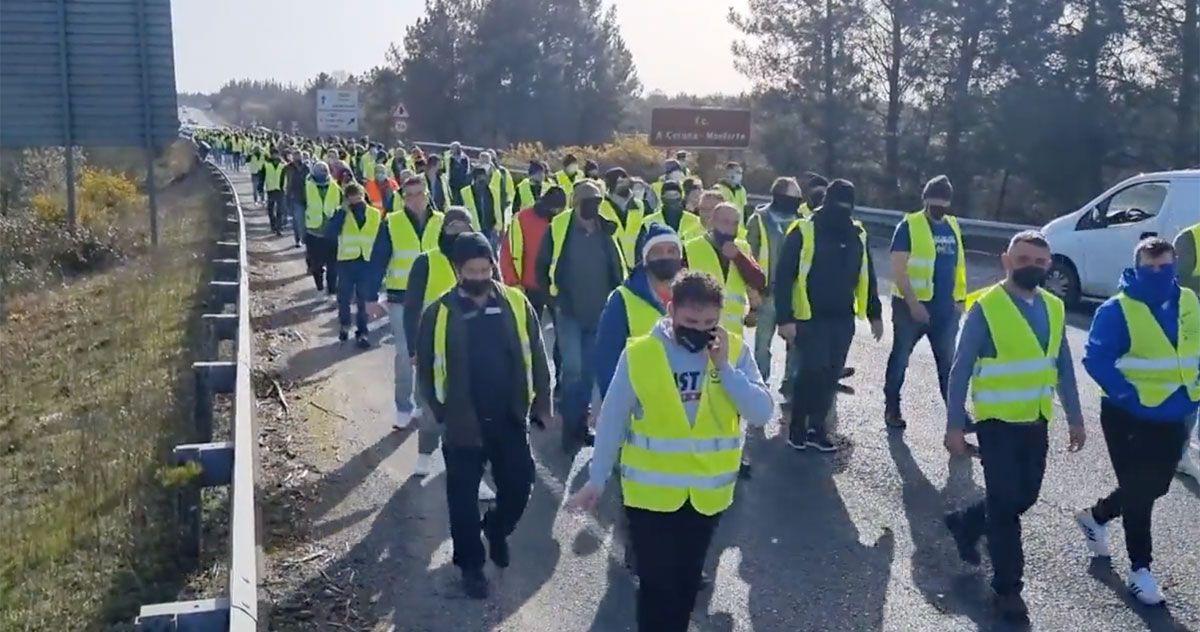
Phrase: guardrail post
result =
(187, 506)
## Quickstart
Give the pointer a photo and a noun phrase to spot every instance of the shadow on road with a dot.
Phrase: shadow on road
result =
(1157, 619)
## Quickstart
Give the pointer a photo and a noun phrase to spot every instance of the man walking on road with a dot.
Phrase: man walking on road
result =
(322, 198)
(273, 185)
(1187, 254)
(360, 261)
(765, 236)
(295, 176)
(1144, 351)
(482, 369)
(929, 271)
(1013, 353)
(679, 454)
(818, 318)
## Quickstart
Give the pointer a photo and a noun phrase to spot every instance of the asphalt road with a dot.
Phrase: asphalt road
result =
(852, 542)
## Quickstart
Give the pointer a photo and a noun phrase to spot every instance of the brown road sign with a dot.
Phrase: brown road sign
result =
(700, 128)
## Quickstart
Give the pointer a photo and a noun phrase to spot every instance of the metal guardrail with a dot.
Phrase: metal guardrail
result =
(977, 233)
(233, 462)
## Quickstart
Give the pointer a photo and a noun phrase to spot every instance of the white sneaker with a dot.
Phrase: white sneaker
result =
(1143, 586)
(1096, 533)
(417, 413)
(424, 465)
(1188, 466)
(485, 493)
(403, 420)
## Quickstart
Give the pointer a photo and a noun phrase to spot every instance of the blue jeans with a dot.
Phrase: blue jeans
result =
(576, 343)
(353, 277)
(403, 364)
(297, 207)
(764, 337)
(942, 332)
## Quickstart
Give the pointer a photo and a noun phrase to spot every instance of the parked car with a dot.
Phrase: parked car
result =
(1095, 243)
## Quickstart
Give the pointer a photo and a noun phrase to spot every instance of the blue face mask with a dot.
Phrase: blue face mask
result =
(1157, 283)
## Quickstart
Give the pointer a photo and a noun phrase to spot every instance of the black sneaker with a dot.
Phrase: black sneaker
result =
(745, 470)
(967, 544)
(498, 550)
(362, 342)
(795, 442)
(475, 584)
(821, 444)
(1011, 608)
(705, 580)
(343, 335)
(847, 372)
(894, 420)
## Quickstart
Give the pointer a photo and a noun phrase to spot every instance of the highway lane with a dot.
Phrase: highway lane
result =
(813, 542)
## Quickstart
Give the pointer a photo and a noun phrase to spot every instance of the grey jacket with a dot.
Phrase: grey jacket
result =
(457, 414)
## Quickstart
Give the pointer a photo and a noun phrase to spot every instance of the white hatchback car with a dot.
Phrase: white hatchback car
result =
(1095, 243)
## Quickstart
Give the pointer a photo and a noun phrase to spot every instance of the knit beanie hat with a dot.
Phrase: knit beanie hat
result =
(470, 246)
(655, 234)
(938, 191)
(840, 193)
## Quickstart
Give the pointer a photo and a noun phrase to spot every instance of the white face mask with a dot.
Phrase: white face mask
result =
(571, 169)
(637, 192)
(735, 177)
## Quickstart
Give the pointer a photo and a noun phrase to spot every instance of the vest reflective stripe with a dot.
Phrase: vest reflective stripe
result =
(441, 277)
(1154, 366)
(641, 315)
(406, 247)
(923, 253)
(356, 241)
(517, 302)
(701, 255)
(667, 461)
(801, 308)
(501, 185)
(525, 196)
(763, 256)
(689, 224)
(1196, 245)
(318, 210)
(736, 198)
(558, 235)
(1017, 386)
(627, 233)
(272, 175)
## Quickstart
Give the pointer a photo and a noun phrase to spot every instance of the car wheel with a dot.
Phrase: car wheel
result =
(1063, 281)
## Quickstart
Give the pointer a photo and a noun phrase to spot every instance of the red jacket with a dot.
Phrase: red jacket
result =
(532, 229)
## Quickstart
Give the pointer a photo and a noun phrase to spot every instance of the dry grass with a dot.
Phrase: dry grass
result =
(94, 391)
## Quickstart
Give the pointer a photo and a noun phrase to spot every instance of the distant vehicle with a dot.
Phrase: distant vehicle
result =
(1095, 243)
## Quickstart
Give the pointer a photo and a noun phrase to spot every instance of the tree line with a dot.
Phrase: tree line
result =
(1030, 106)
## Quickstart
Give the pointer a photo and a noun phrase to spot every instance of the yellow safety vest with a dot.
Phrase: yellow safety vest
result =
(406, 247)
(641, 315)
(666, 461)
(1195, 230)
(736, 198)
(516, 300)
(689, 225)
(255, 164)
(566, 183)
(273, 174)
(366, 163)
(1155, 367)
(805, 211)
(441, 277)
(558, 234)
(627, 232)
(1017, 386)
(356, 241)
(923, 253)
(701, 255)
(801, 308)
(318, 210)
(763, 256)
(525, 196)
(468, 197)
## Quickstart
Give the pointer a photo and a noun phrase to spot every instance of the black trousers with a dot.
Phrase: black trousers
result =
(275, 210)
(506, 447)
(1014, 461)
(1144, 455)
(670, 549)
(822, 346)
(321, 256)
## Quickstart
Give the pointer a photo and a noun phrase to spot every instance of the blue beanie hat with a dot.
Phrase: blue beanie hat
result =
(655, 234)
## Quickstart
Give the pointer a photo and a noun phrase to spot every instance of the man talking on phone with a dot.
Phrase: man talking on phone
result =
(679, 455)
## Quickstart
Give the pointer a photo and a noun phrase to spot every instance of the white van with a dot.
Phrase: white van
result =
(1094, 244)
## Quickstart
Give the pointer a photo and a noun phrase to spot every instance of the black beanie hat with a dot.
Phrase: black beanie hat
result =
(554, 197)
(840, 193)
(938, 188)
(470, 246)
(817, 181)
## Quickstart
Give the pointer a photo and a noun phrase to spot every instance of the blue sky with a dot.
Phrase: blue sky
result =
(678, 45)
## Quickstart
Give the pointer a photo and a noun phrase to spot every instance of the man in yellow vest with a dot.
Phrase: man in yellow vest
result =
(672, 213)
(671, 415)
(824, 280)
(255, 165)
(408, 231)
(929, 271)
(360, 261)
(731, 187)
(1143, 350)
(322, 198)
(765, 235)
(482, 370)
(1013, 354)
(532, 187)
(580, 261)
(272, 170)
(1187, 255)
(568, 175)
(722, 254)
(620, 208)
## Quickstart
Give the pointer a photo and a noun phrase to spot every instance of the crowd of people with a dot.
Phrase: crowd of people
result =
(651, 288)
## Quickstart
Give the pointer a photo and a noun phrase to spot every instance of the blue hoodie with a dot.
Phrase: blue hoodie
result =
(613, 330)
(1108, 340)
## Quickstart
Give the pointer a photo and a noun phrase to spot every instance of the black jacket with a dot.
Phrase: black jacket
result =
(457, 414)
(833, 276)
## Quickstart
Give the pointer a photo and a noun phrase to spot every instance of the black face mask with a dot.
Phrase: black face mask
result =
(475, 287)
(358, 206)
(589, 209)
(663, 269)
(785, 204)
(446, 242)
(622, 191)
(937, 212)
(673, 206)
(815, 200)
(1029, 277)
(694, 340)
(720, 239)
